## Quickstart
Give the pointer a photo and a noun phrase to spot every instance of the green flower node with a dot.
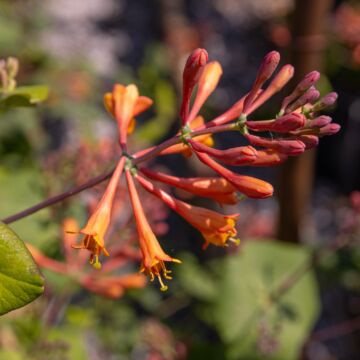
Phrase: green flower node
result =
(185, 134)
(129, 165)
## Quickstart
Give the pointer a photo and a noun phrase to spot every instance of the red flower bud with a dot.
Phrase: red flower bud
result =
(288, 147)
(266, 69)
(309, 80)
(309, 97)
(269, 158)
(241, 155)
(192, 70)
(283, 124)
(310, 141)
(325, 102)
(319, 121)
(279, 81)
(329, 129)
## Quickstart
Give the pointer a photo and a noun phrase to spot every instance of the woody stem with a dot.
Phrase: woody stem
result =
(138, 158)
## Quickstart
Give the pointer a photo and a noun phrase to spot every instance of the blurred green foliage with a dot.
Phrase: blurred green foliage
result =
(235, 294)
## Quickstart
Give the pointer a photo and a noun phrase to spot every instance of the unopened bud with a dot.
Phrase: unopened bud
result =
(309, 97)
(235, 156)
(285, 146)
(310, 141)
(283, 124)
(194, 64)
(269, 158)
(192, 71)
(325, 102)
(208, 81)
(308, 81)
(319, 121)
(289, 122)
(329, 129)
(279, 81)
(266, 69)
(268, 66)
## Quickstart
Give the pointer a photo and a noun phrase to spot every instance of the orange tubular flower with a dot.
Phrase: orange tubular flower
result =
(99, 221)
(216, 228)
(153, 255)
(124, 103)
(249, 186)
(185, 150)
(214, 188)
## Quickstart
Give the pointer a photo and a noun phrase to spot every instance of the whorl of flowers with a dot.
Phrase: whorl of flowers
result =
(296, 128)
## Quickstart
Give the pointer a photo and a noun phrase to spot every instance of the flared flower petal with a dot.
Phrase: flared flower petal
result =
(216, 228)
(153, 262)
(124, 103)
(99, 221)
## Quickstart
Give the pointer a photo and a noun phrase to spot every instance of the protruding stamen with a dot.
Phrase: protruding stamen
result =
(163, 287)
(94, 261)
(234, 240)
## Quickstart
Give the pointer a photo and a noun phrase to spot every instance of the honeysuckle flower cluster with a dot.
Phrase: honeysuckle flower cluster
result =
(294, 129)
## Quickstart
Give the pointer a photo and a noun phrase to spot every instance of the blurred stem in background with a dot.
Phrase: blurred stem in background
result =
(296, 174)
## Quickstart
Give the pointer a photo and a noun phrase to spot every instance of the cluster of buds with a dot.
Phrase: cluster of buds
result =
(107, 282)
(296, 128)
(8, 71)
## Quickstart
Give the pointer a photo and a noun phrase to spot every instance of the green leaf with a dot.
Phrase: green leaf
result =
(24, 96)
(35, 93)
(195, 280)
(245, 282)
(20, 279)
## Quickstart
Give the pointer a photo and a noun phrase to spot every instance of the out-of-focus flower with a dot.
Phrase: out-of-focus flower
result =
(124, 103)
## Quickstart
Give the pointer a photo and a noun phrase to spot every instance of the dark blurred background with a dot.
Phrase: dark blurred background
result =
(79, 49)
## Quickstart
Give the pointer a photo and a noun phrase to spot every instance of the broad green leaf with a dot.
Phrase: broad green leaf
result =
(242, 304)
(35, 93)
(24, 96)
(20, 279)
(195, 280)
